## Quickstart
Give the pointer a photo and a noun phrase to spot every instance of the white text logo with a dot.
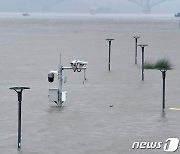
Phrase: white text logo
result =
(170, 145)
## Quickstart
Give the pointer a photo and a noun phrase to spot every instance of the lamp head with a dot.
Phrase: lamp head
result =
(142, 45)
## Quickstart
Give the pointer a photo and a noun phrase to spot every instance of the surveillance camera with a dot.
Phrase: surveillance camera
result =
(78, 62)
(82, 63)
(73, 63)
(51, 77)
(78, 65)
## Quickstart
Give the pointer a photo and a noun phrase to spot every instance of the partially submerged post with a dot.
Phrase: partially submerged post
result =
(163, 65)
(109, 62)
(178, 16)
(19, 91)
(164, 82)
(56, 94)
(136, 45)
(143, 46)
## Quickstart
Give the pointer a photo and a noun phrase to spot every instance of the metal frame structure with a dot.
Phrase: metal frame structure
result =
(76, 65)
(147, 4)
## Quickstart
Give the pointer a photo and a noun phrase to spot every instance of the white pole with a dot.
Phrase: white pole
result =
(60, 85)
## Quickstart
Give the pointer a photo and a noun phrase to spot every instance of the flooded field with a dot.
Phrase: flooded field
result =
(86, 124)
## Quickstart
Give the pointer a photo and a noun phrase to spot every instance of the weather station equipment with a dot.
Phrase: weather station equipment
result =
(57, 95)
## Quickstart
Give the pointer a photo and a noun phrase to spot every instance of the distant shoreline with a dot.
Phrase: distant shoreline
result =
(86, 15)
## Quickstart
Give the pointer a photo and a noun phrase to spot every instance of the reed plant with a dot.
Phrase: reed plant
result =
(163, 63)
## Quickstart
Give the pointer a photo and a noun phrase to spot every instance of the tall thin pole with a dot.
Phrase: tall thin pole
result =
(60, 79)
(60, 85)
(164, 77)
(136, 52)
(136, 45)
(143, 46)
(19, 118)
(19, 92)
(109, 56)
(178, 15)
(109, 61)
(142, 63)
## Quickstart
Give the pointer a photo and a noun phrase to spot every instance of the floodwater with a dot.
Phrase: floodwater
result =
(30, 47)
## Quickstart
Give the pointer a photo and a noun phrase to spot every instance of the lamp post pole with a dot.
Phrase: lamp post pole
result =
(178, 16)
(143, 46)
(19, 92)
(109, 62)
(164, 84)
(136, 44)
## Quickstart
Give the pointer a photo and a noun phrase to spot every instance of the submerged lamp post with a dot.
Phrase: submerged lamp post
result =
(178, 16)
(19, 91)
(164, 70)
(109, 62)
(143, 46)
(136, 45)
(164, 82)
(163, 65)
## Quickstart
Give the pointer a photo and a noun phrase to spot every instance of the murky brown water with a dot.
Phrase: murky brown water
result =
(30, 47)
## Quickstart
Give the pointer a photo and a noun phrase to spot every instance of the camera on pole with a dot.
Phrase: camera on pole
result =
(57, 95)
(50, 77)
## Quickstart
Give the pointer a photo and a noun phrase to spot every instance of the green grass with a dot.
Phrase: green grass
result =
(149, 65)
(163, 63)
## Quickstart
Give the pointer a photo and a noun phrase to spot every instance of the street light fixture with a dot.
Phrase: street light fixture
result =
(136, 45)
(19, 91)
(178, 16)
(163, 70)
(143, 46)
(109, 63)
(163, 65)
